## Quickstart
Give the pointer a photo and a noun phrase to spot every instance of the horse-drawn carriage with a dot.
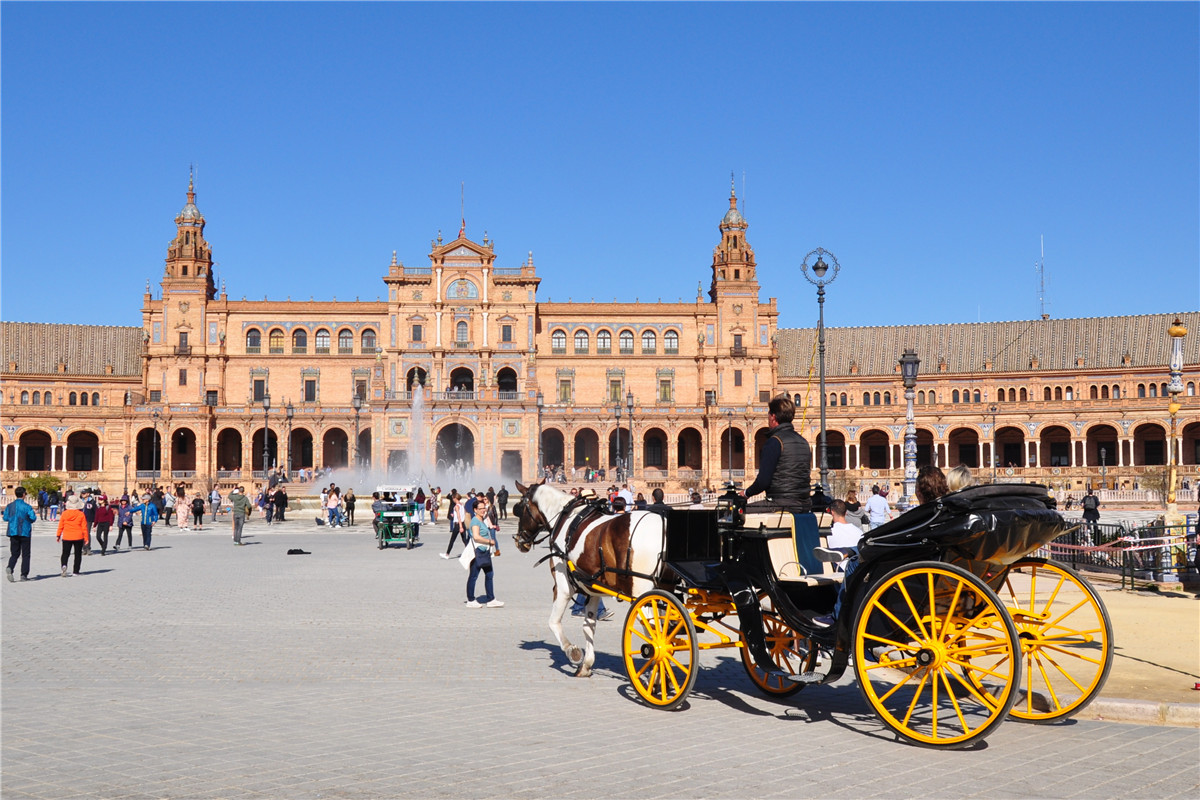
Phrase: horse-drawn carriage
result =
(950, 624)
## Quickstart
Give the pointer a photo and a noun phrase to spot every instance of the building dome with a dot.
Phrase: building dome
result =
(733, 217)
(190, 212)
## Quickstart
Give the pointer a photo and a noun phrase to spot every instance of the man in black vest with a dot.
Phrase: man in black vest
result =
(784, 474)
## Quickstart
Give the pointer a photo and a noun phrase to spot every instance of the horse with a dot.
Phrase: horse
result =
(620, 552)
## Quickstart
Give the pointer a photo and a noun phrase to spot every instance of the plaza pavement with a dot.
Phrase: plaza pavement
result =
(204, 670)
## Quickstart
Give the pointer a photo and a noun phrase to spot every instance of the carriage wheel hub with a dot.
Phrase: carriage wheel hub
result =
(648, 650)
(927, 656)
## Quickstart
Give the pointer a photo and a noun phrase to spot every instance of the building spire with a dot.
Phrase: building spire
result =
(191, 194)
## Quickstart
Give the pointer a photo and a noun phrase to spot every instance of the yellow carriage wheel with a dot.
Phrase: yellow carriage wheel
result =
(790, 651)
(936, 654)
(1066, 638)
(659, 642)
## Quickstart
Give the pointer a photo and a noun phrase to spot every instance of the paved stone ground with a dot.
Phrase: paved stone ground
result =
(203, 670)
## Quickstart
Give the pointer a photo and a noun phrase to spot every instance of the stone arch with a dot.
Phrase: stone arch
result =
(462, 379)
(1149, 445)
(455, 444)
(654, 448)
(587, 448)
(335, 448)
(35, 450)
(83, 451)
(689, 449)
(553, 447)
(256, 450)
(1056, 446)
(963, 447)
(183, 451)
(1010, 446)
(301, 448)
(229, 450)
(506, 380)
(874, 447)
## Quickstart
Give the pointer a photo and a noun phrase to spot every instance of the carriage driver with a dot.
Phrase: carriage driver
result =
(784, 474)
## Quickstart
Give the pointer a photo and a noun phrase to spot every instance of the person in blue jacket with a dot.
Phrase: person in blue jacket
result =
(20, 517)
(149, 511)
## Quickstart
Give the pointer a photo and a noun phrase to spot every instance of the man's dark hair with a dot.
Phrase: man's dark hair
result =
(782, 407)
(838, 508)
(657, 494)
(20, 491)
(618, 504)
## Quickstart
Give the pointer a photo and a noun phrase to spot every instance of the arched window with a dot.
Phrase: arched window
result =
(1103, 392)
(1058, 393)
(1070, 393)
(1048, 394)
(1141, 390)
(460, 332)
(649, 342)
(45, 398)
(887, 398)
(796, 400)
(866, 398)
(833, 399)
(1094, 393)
(322, 341)
(1164, 391)
(954, 396)
(933, 397)
(1116, 392)
(582, 340)
(875, 399)
(1153, 390)
(25, 398)
(558, 341)
(975, 397)
(368, 341)
(95, 398)
(72, 399)
(842, 399)
(300, 341)
(275, 340)
(83, 398)
(37, 398)
(1024, 396)
(603, 342)
(1191, 389)
(626, 342)
(921, 398)
(253, 341)
(345, 341)
(671, 343)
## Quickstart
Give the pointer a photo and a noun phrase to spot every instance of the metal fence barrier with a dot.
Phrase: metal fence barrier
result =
(1146, 552)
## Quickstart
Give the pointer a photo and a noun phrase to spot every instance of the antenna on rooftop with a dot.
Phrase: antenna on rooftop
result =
(743, 193)
(1041, 273)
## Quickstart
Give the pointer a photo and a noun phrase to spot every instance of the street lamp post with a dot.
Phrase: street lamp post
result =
(617, 409)
(909, 364)
(541, 402)
(289, 411)
(126, 473)
(356, 401)
(266, 404)
(157, 459)
(729, 436)
(630, 466)
(1175, 387)
(1103, 468)
(993, 409)
(817, 278)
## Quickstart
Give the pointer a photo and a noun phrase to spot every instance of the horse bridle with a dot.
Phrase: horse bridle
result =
(551, 528)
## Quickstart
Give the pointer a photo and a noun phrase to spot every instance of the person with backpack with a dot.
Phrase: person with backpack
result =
(89, 513)
(198, 511)
(214, 500)
(1091, 511)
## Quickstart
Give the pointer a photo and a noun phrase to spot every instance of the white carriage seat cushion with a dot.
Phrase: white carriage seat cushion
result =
(783, 550)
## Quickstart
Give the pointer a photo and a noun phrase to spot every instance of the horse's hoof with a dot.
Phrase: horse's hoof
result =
(583, 672)
(575, 655)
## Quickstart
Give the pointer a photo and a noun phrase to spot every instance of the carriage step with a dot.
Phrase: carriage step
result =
(806, 677)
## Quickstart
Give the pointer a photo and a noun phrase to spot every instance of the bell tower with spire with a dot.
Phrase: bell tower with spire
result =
(189, 256)
(733, 259)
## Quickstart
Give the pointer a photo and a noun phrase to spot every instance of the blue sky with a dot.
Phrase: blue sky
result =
(927, 145)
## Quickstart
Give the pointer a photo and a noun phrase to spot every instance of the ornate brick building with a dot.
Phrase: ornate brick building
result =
(462, 362)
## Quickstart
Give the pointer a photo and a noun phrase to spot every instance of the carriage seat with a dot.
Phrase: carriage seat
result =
(782, 549)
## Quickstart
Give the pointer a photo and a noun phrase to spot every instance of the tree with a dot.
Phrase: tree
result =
(36, 483)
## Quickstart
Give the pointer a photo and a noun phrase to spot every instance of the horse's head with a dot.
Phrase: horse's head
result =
(530, 519)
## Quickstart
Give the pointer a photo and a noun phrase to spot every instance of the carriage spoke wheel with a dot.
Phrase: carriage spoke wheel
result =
(791, 652)
(936, 654)
(659, 642)
(1066, 638)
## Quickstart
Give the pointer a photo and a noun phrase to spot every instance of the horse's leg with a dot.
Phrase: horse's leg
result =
(591, 617)
(562, 596)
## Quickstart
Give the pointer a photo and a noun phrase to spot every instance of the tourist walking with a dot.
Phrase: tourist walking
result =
(240, 505)
(1091, 511)
(502, 502)
(197, 512)
(332, 506)
(483, 540)
(73, 533)
(878, 510)
(281, 503)
(104, 521)
(420, 501)
(149, 511)
(350, 500)
(214, 502)
(456, 514)
(170, 499)
(124, 523)
(20, 517)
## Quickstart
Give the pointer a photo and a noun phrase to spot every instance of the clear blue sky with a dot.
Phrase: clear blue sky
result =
(928, 146)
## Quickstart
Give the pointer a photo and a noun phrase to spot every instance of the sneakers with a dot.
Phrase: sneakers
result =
(24, 577)
(608, 614)
(8, 574)
(444, 555)
(495, 604)
(64, 571)
(824, 620)
(474, 604)
(576, 613)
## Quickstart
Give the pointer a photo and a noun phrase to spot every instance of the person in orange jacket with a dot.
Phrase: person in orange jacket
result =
(72, 532)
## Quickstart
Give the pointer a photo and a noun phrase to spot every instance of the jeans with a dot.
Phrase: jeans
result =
(238, 521)
(102, 529)
(67, 546)
(481, 563)
(19, 546)
(580, 605)
(847, 571)
(269, 512)
(147, 529)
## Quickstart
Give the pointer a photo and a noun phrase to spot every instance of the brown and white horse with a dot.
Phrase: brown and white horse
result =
(621, 552)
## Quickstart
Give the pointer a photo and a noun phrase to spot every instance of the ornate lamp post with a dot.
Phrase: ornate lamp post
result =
(909, 364)
(157, 457)
(541, 402)
(1177, 331)
(1103, 468)
(266, 404)
(993, 409)
(817, 278)
(629, 468)
(356, 401)
(126, 473)
(289, 411)
(617, 409)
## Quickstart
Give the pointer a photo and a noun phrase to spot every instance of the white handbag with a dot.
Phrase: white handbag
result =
(467, 557)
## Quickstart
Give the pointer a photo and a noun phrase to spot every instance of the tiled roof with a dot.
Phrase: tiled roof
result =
(38, 347)
(1101, 342)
